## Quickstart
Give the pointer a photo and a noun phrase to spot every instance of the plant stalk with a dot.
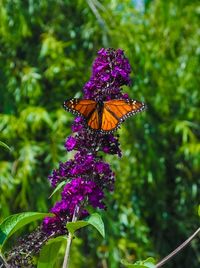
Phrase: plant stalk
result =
(4, 264)
(69, 239)
(177, 250)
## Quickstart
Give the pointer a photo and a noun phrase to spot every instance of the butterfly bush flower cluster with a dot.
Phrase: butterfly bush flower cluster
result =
(110, 71)
(87, 175)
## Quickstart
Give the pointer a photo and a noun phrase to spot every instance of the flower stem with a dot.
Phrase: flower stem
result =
(66, 258)
(69, 239)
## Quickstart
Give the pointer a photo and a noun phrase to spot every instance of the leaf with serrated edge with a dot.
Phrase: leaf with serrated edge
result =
(14, 222)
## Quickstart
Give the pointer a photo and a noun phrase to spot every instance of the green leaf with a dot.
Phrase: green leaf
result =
(49, 252)
(73, 226)
(148, 263)
(60, 185)
(95, 220)
(199, 210)
(14, 222)
(2, 144)
(126, 264)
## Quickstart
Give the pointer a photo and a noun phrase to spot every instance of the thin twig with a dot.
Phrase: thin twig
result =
(99, 5)
(94, 6)
(177, 250)
(69, 239)
(96, 12)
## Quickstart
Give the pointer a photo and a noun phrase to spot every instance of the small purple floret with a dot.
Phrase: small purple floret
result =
(70, 143)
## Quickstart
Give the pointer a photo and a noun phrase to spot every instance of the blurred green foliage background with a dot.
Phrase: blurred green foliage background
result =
(46, 52)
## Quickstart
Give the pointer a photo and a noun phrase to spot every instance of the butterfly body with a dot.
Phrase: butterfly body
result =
(104, 116)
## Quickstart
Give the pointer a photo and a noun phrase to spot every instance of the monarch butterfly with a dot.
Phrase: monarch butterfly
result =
(104, 116)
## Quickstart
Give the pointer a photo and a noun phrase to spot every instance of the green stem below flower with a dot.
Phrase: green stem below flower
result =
(69, 239)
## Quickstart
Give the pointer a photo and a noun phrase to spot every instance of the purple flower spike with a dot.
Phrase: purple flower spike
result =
(110, 71)
(87, 176)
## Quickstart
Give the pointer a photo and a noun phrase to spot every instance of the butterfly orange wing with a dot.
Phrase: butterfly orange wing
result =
(93, 120)
(80, 107)
(113, 112)
(109, 122)
(116, 111)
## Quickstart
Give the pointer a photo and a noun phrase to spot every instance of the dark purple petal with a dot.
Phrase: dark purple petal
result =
(53, 225)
